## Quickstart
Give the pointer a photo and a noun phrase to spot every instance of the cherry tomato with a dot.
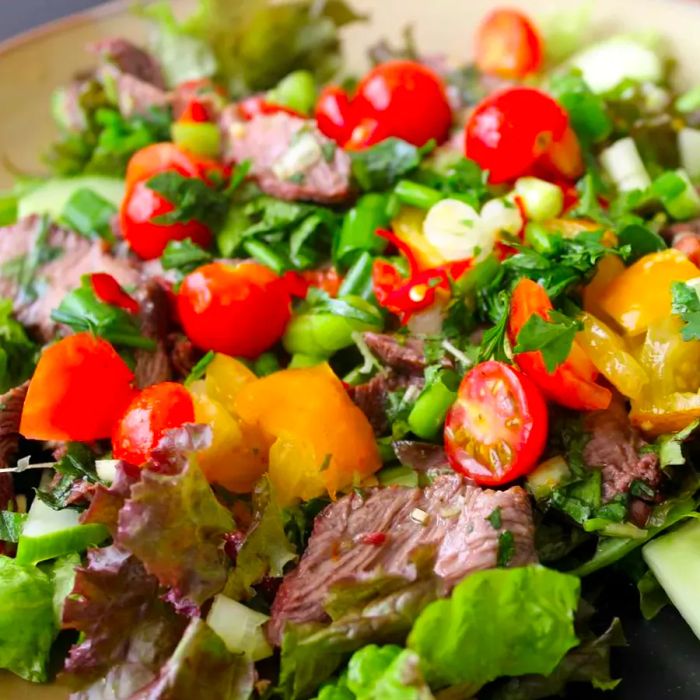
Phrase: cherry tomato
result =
(195, 111)
(496, 429)
(160, 157)
(151, 413)
(235, 309)
(146, 238)
(257, 104)
(79, 389)
(514, 130)
(385, 104)
(326, 279)
(334, 114)
(108, 290)
(572, 383)
(508, 45)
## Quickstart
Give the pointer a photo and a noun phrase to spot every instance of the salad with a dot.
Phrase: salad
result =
(333, 386)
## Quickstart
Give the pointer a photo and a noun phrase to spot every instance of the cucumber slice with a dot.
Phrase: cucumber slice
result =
(606, 64)
(674, 561)
(52, 533)
(240, 627)
(547, 476)
(51, 197)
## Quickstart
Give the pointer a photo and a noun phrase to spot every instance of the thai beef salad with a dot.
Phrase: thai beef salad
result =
(352, 389)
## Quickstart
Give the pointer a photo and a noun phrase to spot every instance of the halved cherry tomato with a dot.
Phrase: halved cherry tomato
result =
(108, 290)
(235, 309)
(79, 389)
(572, 383)
(496, 429)
(385, 104)
(145, 237)
(161, 157)
(326, 279)
(195, 111)
(508, 45)
(151, 413)
(513, 130)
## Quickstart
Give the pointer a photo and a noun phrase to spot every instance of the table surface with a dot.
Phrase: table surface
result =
(669, 652)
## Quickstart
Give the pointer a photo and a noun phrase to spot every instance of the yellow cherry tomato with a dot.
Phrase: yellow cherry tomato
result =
(608, 352)
(641, 294)
(408, 226)
(607, 270)
(237, 456)
(225, 377)
(320, 441)
(569, 228)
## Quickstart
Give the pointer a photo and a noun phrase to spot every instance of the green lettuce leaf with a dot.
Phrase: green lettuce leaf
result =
(523, 619)
(17, 352)
(201, 667)
(174, 524)
(27, 623)
(265, 550)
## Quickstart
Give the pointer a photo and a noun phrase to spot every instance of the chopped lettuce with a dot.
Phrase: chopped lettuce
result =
(175, 525)
(27, 622)
(522, 617)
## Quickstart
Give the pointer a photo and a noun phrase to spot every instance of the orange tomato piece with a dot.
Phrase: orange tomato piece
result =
(79, 389)
(641, 295)
(320, 441)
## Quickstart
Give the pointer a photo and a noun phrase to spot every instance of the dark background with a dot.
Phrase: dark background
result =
(662, 661)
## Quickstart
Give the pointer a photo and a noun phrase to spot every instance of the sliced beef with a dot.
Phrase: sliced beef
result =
(420, 456)
(134, 96)
(401, 353)
(63, 258)
(130, 60)
(617, 449)
(183, 354)
(290, 158)
(357, 539)
(11, 404)
(153, 366)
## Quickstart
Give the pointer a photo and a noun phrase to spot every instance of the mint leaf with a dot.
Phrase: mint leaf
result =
(686, 304)
(552, 338)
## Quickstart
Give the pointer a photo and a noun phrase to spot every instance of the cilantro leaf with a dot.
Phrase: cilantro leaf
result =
(552, 338)
(192, 198)
(493, 344)
(380, 166)
(495, 518)
(686, 304)
(506, 548)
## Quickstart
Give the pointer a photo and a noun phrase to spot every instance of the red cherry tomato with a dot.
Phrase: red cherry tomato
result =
(572, 383)
(508, 45)
(404, 99)
(334, 114)
(257, 104)
(235, 309)
(108, 290)
(79, 389)
(146, 238)
(159, 157)
(195, 111)
(151, 413)
(495, 431)
(513, 130)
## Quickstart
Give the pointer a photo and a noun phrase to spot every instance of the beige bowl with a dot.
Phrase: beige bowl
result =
(32, 65)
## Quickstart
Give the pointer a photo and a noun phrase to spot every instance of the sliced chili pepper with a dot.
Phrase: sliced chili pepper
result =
(108, 290)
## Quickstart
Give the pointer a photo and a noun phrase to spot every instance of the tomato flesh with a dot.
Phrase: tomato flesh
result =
(162, 157)
(516, 129)
(108, 290)
(496, 430)
(79, 389)
(508, 45)
(234, 309)
(153, 412)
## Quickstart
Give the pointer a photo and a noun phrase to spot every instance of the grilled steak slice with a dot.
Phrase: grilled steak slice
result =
(11, 404)
(357, 539)
(57, 259)
(290, 158)
(129, 59)
(153, 366)
(616, 448)
(404, 355)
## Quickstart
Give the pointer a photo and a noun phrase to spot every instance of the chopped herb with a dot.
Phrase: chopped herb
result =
(297, 178)
(89, 214)
(493, 344)
(328, 149)
(506, 548)
(379, 167)
(686, 304)
(184, 256)
(198, 371)
(17, 352)
(11, 525)
(553, 338)
(641, 489)
(495, 518)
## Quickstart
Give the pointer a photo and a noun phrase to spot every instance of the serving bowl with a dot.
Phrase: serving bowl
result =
(664, 657)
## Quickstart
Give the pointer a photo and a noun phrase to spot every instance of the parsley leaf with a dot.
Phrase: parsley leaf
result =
(686, 304)
(494, 342)
(495, 518)
(380, 166)
(506, 548)
(552, 338)
(192, 198)
(184, 256)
